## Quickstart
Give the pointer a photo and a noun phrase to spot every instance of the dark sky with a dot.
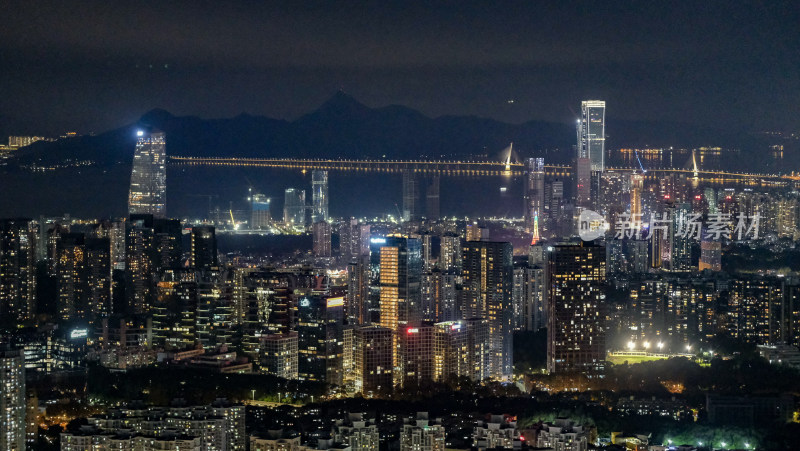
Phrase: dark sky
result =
(91, 65)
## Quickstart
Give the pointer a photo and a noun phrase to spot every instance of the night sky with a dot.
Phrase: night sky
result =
(93, 65)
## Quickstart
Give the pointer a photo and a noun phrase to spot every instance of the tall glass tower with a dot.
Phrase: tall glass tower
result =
(592, 133)
(294, 208)
(148, 194)
(319, 196)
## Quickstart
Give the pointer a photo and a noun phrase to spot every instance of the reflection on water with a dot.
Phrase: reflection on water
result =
(708, 158)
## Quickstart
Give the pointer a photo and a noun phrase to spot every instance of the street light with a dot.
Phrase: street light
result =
(646, 345)
(660, 345)
(631, 345)
(688, 347)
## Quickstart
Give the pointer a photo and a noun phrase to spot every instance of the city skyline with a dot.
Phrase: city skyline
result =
(509, 226)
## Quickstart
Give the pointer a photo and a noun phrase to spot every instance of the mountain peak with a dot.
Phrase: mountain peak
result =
(342, 101)
(155, 117)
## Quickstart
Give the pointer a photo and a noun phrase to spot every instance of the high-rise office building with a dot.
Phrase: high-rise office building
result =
(260, 215)
(279, 355)
(204, 248)
(374, 347)
(319, 330)
(637, 189)
(592, 133)
(18, 269)
(12, 399)
(488, 277)
(400, 282)
(294, 208)
(410, 197)
(322, 239)
(529, 298)
(432, 202)
(534, 195)
(148, 192)
(175, 310)
(356, 302)
(319, 196)
(416, 355)
(583, 183)
(576, 321)
(461, 349)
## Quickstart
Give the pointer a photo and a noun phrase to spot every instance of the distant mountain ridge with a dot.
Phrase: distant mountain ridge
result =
(342, 127)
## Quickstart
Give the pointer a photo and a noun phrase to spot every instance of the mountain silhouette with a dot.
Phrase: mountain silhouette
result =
(342, 127)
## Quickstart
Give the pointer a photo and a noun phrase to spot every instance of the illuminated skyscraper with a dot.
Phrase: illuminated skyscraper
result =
(488, 278)
(12, 399)
(148, 193)
(373, 355)
(461, 349)
(151, 245)
(583, 183)
(319, 196)
(450, 253)
(534, 195)
(416, 355)
(592, 133)
(637, 187)
(279, 355)
(410, 197)
(400, 282)
(294, 208)
(576, 329)
(17, 269)
(260, 216)
(319, 329)
(73, 283)
(322, 239)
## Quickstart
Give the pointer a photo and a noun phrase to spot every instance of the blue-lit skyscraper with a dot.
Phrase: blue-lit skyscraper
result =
(148, 193)
(260, 216)
(319, 196)
(592, 133)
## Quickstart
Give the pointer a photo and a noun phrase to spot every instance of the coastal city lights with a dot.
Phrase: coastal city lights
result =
(399, 226)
